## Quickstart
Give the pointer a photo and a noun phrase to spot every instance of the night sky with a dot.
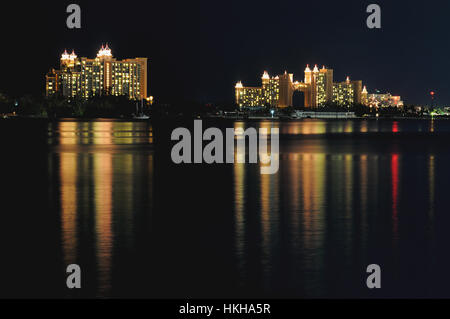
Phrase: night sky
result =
(197, 50)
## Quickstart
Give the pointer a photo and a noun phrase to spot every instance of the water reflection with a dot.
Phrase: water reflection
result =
(270, 211)
(335, 206)
(97, 196)
(395, 193)
(240, 221)
(103, 218)
(364, 198)
(68, 185)
(323, 208)
(100, 133)
(320, 127)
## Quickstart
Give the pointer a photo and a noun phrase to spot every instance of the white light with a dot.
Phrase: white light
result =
(65, 55)
(104, 52)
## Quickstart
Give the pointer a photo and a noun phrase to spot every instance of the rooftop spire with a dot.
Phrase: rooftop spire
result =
(364, 89)
(104, 52)
(65, 55)
(73, 56)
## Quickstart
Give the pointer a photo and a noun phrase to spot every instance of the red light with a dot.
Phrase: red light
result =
(395, 127)
(432, 93)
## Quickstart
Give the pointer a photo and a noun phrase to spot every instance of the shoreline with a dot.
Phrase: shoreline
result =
(208, 118)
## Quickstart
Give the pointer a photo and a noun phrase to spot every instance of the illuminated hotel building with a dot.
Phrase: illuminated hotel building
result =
(318, 88)
(347, 93)
(84, 77)
(265, 95)
(378, 100)
(364, 96)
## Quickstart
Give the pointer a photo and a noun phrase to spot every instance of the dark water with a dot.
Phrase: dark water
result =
(105, 195)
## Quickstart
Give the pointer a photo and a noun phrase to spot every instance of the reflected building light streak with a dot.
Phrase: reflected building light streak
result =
(150, 135)
(363, 188)
(313, 167)
(86, 126)
(151, 165)
(338, 128)
(97, 190)
(239, 217)
(395, 193)
(294, 197)
(268, 126)
(125, 132)
(68, 176)
(348, 171)
(240, 195)
(102, 133)
(364, 127)
(239, 152)
(349, 127)
(349, 188)
(269, 221)
(313, 187)
(395, 128)
(67, 133)
(103, 177)
(290, 128)
(374, 177)
(313, 127)
(123, 192)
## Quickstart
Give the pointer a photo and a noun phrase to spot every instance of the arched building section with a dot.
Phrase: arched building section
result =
(318, 88)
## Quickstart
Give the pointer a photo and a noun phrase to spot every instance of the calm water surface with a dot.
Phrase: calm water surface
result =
(348, 193)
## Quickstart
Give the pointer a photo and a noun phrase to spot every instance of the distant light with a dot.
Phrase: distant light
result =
(432, 93)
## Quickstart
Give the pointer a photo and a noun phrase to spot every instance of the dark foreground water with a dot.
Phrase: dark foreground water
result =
(104, 195)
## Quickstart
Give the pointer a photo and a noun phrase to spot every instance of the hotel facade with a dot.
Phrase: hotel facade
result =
(318, 88)
(103, 75)
(381, 100)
